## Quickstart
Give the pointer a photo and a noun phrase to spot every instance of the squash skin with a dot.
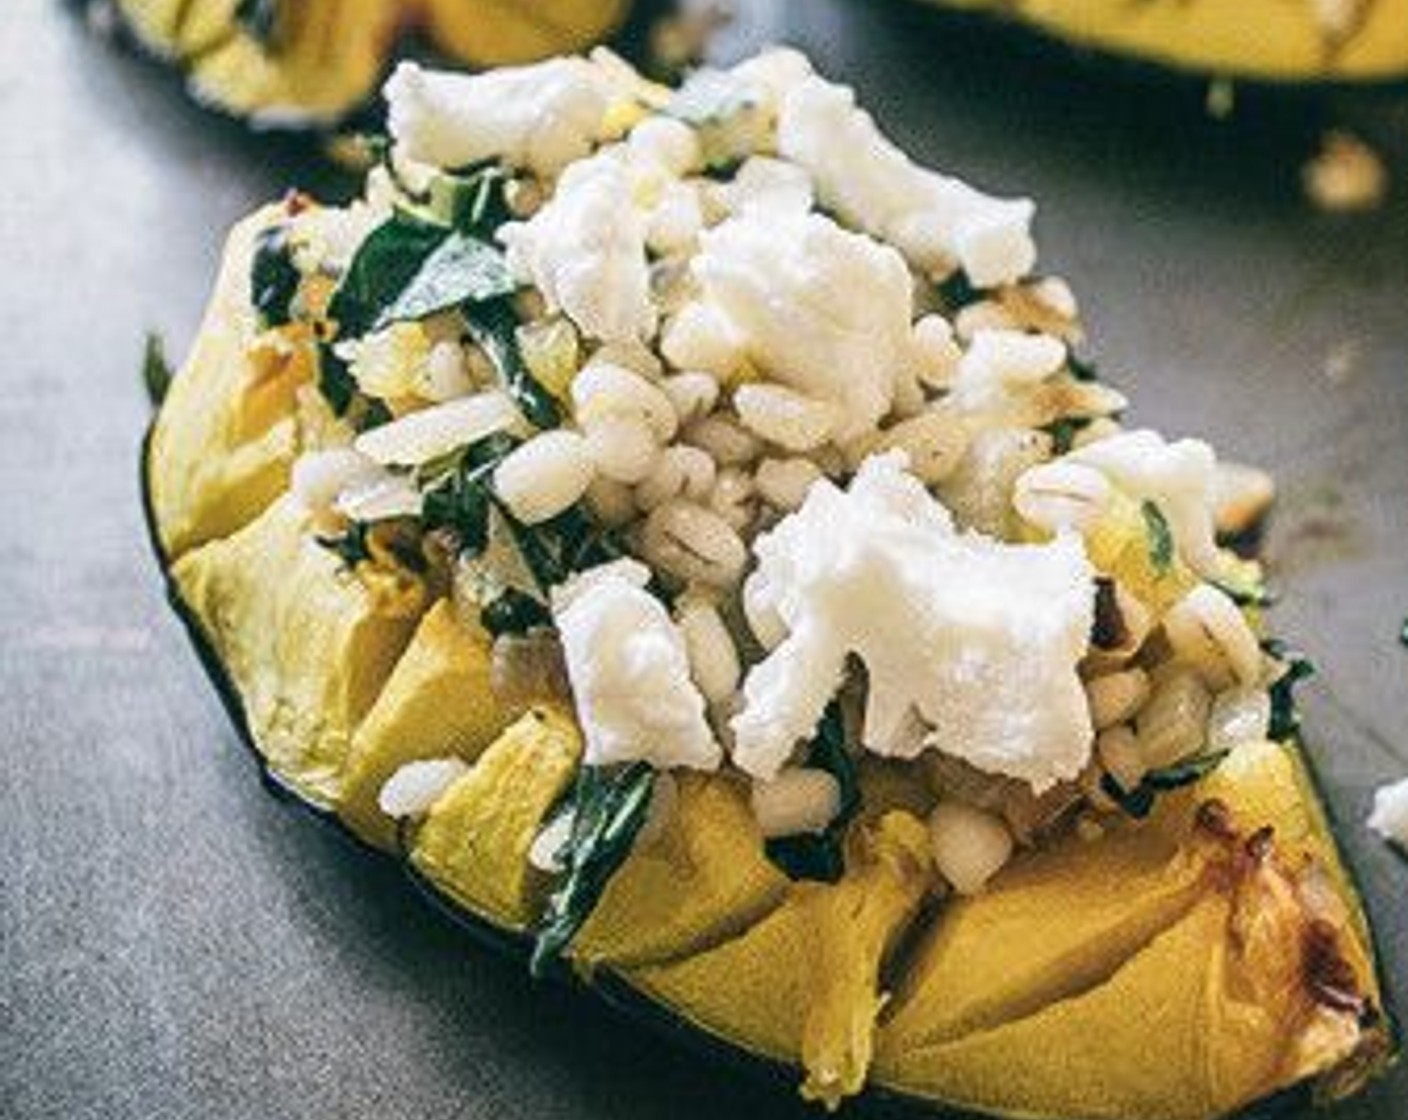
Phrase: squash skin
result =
(304, 706)
(1279, 43)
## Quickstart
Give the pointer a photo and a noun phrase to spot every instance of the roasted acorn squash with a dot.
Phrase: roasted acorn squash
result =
(1274, 40)
(1200, 953)
(311, 62)
(1222, 936)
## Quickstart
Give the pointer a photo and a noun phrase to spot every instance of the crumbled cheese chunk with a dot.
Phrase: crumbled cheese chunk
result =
(585, 251)
(785, 287)
(862, 176)
(1180, 477)
(1390, 816)
(541, 117)
(769, 184)
(629, 671)
(978, 639)
(1001, 363)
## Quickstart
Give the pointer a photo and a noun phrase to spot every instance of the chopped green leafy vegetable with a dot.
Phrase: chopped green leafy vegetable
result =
(1139, 802)
(273, 279)
(461, 269)
(335, 381)
(1063, 432)
(471, 198)
(156, 370)
(1160, 537)
(609, 807)
(350, 546)
(383, 267)
(1246, 594)
(570, 542)
(1285, 717)
(260, 19)
(1082, 369)
(957, 291)
(494, 327)
(458, 495)
(514, 612)
(819, 855)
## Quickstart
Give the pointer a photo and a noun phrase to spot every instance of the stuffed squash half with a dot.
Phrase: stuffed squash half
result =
(1270, 40)
(682, 527)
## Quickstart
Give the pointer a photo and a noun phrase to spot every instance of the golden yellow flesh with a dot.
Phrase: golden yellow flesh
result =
(326, 56)
(703, 879)
(474, 844)
(1273, 39)
(1154, 973)
(421, 713)
(302, 641)
(226, 435)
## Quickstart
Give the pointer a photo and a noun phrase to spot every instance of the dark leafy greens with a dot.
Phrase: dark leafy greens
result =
(259, 19)
(1248, 594)
(460, 269)
(351, 545)
(156, 370)
(819, 855)
(273, 278)
(386, 264)
(609, 807)
(1139, 802)
(1063, 432)
(1285, 716)
(494, 326)
(1161, 552)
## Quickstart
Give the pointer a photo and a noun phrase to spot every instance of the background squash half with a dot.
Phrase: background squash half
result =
(300, 63)
(1272, 40)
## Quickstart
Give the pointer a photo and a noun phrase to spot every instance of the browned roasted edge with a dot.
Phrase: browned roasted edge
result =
(611, 988)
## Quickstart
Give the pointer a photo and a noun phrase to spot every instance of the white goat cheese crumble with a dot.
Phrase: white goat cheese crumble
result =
(862, 176)
(1180, 477)
(629, 671)
(1390, 816)
(783, 288)
(585, 251)
(978, 639)
(541, 117)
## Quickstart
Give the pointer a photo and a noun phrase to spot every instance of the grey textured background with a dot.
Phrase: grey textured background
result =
(174, 943)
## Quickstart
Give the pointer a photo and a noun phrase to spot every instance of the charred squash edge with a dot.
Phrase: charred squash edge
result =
(608, 985)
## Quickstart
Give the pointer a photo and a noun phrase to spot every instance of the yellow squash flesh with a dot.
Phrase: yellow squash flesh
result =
(1170, 970)
(323, 58)
(1279, 40)
(703, 879)
(421, 714)
(303, 642)
(226, 435)
(474, 843)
